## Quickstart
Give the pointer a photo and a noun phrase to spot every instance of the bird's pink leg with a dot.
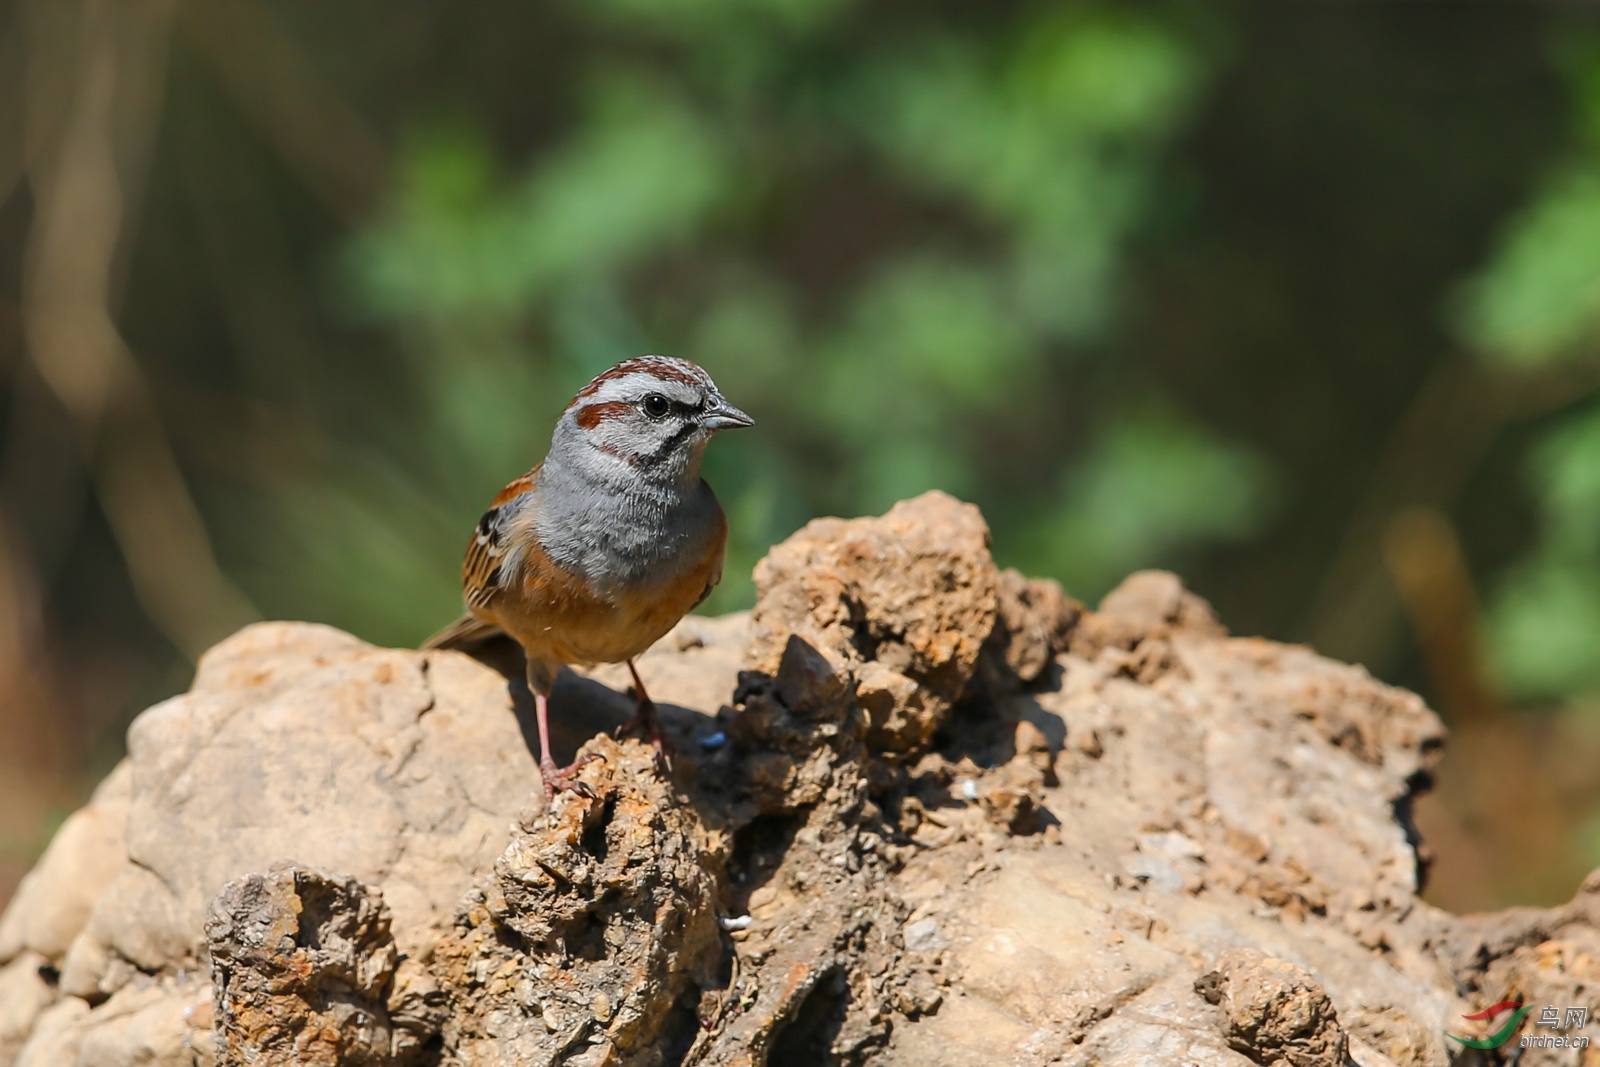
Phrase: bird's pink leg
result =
(645, 718)
(556, 778)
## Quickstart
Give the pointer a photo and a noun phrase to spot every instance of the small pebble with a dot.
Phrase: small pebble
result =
(712, 742)
(735, 922)
(969, 789)
(925, 936)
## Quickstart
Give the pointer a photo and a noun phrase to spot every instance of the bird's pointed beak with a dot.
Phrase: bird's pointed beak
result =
(721, 415)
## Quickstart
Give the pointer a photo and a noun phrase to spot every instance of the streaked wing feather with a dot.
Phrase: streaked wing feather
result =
(481, 570)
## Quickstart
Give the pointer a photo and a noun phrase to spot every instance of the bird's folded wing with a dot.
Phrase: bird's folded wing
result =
(488, 553)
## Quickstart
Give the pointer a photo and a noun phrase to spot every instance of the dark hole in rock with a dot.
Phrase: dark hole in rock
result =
(316, 909)
(681, 1028)
(1043, 817)
(594, 835)
(759, 848)
(49, 974)
(508, 937)
(862, 638)
(1405, 815)
(431, 1054)
(976, 732)
(588, 941)
(807, 1039)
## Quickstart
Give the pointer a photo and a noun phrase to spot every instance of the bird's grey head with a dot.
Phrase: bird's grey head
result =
(653, 413)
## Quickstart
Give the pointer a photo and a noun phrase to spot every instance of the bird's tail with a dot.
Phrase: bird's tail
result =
(467, 634)
(484, 642)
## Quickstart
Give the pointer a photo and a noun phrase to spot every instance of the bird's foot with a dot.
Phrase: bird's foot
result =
(565, 779)
(648, 724)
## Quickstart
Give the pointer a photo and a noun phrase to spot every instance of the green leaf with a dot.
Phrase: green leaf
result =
(1544, 628)
(1539, 301)
(1544, 621)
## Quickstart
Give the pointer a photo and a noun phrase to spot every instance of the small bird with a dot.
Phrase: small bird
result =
(599, 550)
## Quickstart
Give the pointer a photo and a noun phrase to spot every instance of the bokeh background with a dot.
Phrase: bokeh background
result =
(1300, 300)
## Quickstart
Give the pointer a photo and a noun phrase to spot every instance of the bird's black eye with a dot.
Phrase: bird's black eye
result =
(656, 406)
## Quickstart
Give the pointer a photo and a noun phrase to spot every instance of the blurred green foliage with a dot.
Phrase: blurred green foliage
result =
(1537, 305)
(1545, 621)
(1025, 157)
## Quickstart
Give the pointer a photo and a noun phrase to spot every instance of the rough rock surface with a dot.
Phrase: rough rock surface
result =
(302, 964)
(592, 927)
(920, 812)
(1275, 1012)
(900, 605)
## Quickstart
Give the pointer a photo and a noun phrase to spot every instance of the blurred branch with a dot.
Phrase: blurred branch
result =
(1498, 798)
(37, 771)
(19, 631)
(10, 336)
(11, 94)
(1435, 448)
(1425, 560)
(93, 74)
(323, 139)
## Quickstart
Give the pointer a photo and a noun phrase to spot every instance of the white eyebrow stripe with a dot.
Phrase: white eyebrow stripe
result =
(631, 385)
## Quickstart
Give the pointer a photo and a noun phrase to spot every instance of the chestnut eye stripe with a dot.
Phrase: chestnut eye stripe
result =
(591, 415)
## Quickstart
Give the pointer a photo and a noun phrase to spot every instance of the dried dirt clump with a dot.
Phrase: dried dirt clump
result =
(1274, 1011)
(919, 811)
(592, 937)
(900, 605)
(302, 968)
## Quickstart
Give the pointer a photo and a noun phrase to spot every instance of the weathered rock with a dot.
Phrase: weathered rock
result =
(1151, 604)
(296, 742)
(301, 968)
(599, 919)
(24, 994)
(1138, 621)
(1274, 1011)
(147, 1021)
(793, 730)
(901, 604)
(816, 973)
(943, 816)
(1034, 624)
(1547, 957)
(53, 902)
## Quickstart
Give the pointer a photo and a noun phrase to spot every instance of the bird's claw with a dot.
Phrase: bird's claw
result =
(565, 779)
(647, 722)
